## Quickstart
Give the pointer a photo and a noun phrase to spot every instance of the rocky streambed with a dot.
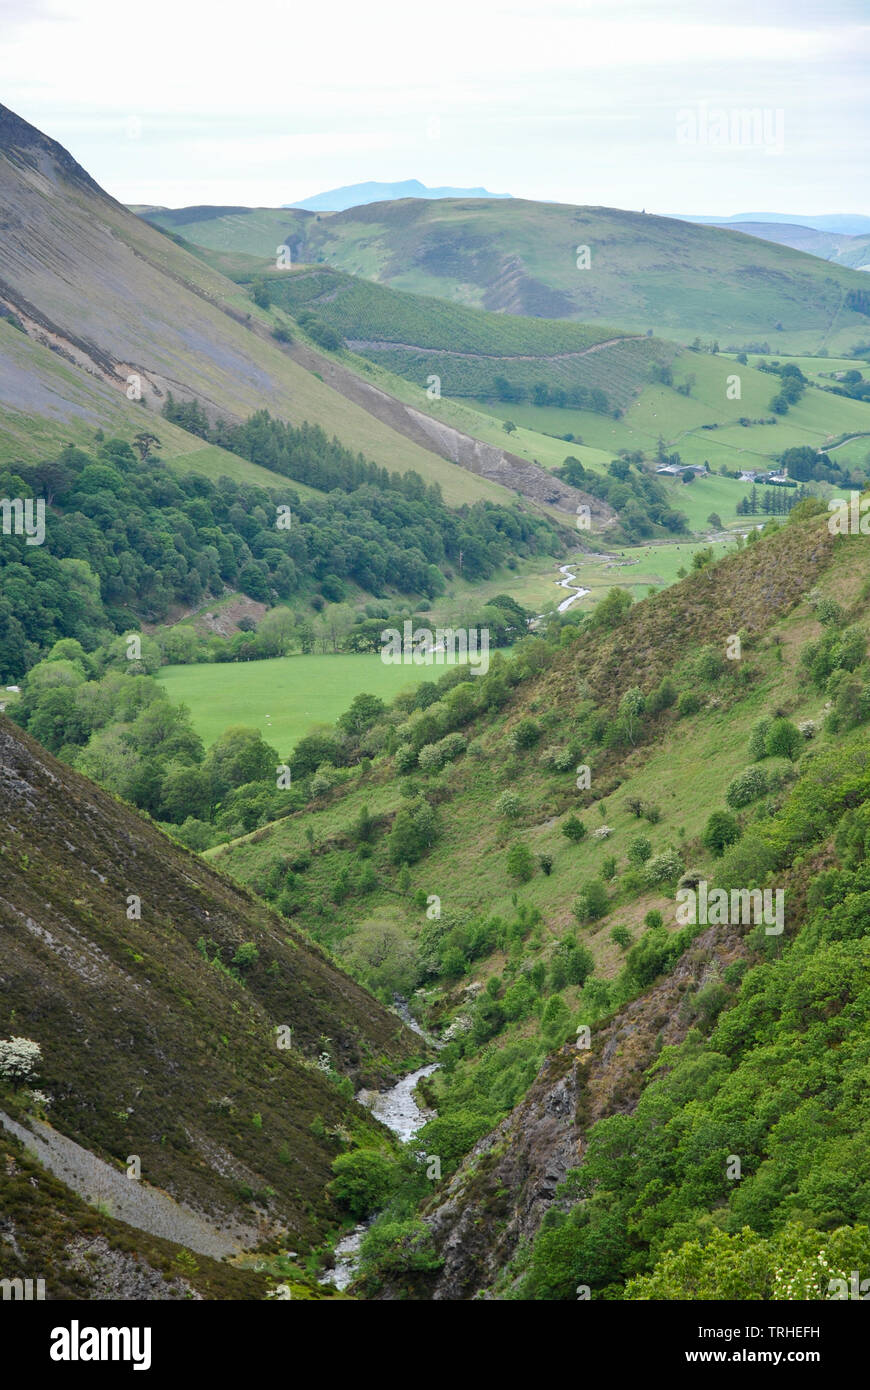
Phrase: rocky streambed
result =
(398, 1110)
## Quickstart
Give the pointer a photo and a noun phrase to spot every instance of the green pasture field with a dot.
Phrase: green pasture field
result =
(286, 697)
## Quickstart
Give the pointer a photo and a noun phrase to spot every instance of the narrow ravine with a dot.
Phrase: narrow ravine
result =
(398, 1110)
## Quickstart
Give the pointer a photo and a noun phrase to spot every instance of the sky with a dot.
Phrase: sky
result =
(628, 103)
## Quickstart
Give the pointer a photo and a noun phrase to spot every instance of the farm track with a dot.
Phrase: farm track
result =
(381, 345)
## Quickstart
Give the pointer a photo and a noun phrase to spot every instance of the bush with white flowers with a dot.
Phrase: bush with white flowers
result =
(19, 1058)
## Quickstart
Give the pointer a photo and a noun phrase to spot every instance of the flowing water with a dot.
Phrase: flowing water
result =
(398, 1110)
(568, 583)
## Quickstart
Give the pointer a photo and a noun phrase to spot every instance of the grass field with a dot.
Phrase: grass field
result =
(704, 426)
(285, 697)
(636, 568)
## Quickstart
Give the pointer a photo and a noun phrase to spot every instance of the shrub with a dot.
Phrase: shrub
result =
(398, 1247)
(829, 612)
(246, 956)
(665, 867)
(706, 665)
(746, 787)
(521, 863)
(19, 1058)
(621, 936)
(452, 745)
(579, 964)
(324, 779)
(574, 829)
(653, 954)
(850, 649)
(639, 850)
(430, 758)
(663, 697)
(363, 1181)
(414, 832)
(509, 804)
(451, 1136)
(406, 758)
(557, 758)
(688, 703)
(851, 706)
(592, 902)
(526, 734)
(720, 831)
(783, 739)
(611, 610)
(758, 740)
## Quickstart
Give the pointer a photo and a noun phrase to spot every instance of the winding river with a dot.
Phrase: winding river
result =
(568, 583)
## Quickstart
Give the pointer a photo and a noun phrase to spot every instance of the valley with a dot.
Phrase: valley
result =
(335, 969)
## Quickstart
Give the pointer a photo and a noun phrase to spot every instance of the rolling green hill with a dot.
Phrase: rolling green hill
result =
(679, 279)
(496, 364)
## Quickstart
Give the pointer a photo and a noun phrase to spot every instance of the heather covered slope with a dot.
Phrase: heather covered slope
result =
(159, 1036)
(81, 1252)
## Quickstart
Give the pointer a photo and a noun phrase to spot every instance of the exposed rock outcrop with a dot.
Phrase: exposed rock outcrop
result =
(500, 1194)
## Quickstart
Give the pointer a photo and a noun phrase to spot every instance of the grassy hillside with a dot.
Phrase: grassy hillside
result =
(467, 865)
(415, 336)
(853, 251)
(472, 356)
(496, 964)
(705, 425)
(676, 278)
(132, 302)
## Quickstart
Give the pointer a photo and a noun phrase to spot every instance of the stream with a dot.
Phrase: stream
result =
(398, 1110)
(568, 583)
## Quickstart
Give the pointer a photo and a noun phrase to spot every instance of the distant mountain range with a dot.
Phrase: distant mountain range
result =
(843, 223)
(355, 195)
(840, 237)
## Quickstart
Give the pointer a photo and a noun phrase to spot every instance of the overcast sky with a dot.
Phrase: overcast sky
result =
(617, 102)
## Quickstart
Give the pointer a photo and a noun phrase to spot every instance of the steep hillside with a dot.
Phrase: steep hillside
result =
(556, 909)
(82, 1252)
(156, 990)
(104, 294)
(644, 272)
